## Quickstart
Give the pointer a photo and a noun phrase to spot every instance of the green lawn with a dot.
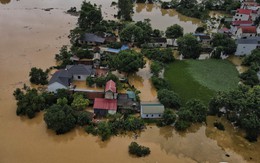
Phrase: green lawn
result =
(201, 79)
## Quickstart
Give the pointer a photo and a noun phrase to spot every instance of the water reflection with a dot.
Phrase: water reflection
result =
(5, 1)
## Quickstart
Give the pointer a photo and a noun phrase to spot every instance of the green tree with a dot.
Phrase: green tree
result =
(63, 58)
(174, 31)
(156, 68)
(79, 102)
(224, 41)
(250, 77)
(168, 117)
(90, 81)
(132, 33)
(147, 29)
(252, 59)
(89, 16)
(127, 61)
(169, 98)
(125, 9)
(181, 125)
(104, 131)
(60, 118)
(189, 46)
(159, 83)
(161, 55)
(198, 110)
(138, 150)
(83, 118)
(38, 76)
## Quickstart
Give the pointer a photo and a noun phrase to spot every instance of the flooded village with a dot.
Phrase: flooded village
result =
(33, 31)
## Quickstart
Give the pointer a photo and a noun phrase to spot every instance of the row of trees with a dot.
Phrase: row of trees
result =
(116, 124)
(241, 107)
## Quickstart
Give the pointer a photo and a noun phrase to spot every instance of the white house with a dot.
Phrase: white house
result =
(245, 46)
(158, 42)
(246, 32)
(151, 110)
(242, 14)
(60, 80)
(91, 39)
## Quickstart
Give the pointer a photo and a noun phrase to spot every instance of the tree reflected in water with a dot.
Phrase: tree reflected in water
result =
(5, 1)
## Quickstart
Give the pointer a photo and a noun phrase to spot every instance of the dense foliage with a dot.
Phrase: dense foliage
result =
(29, 102)
(156, 68)
(161, 55)
(189, 46)
(169, 98)
(159, 83)
(132, 33)
(174, 31)
(227, 44)
(138, 150)
(242, 107)
(38, 76)
(168, 118)
(127, 61)
(63, 58)
(125, 9)
(79, 102)
(194, 111)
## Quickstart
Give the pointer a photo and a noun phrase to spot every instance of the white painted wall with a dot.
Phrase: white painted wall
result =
(54, 86)
(80, 77)
(109, 95)
(245, 49)
(238, 16)
(240, 34)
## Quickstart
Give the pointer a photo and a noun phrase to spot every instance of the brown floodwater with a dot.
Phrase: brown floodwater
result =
(30, 37)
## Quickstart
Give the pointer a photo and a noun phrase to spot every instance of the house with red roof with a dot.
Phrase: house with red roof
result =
(104, 106)
(110, 90)
(246, 32)
(242, 14)
(236, 24)
(107, 105)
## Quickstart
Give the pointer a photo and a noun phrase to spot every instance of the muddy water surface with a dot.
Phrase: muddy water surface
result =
(30, 37)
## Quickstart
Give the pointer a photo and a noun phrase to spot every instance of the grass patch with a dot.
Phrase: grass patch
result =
(201, 79)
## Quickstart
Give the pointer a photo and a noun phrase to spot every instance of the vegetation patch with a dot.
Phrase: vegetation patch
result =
(138, 150)
(201, 79)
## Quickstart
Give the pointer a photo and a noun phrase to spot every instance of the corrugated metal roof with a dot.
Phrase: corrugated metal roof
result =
(111, 86)
(106, 104)
(90, 37)
(62, 76)
(152, 108)
(251, 40)
(80, 69)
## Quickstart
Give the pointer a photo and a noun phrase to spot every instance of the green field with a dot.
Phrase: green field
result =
(201, 79)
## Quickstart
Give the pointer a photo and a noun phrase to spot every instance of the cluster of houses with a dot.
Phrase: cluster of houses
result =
(104, 102)
(243, 27)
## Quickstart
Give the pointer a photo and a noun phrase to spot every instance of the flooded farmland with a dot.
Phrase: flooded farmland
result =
(30, 36)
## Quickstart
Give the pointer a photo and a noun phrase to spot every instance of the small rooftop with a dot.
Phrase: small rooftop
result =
(80, 69)
(106, 104)
(244, 11)
(90, 37)
(248, 29)
(111, 86)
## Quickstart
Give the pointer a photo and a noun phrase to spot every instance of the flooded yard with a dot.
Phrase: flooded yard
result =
(31, 36)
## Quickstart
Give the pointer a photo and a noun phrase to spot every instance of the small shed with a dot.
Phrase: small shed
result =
(152, 110)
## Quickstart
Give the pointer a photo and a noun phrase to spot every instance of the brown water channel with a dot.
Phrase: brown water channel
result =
(30, 37)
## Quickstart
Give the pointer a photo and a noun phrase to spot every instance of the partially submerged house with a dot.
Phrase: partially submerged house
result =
(91, 39)
(80, 72)
(103, 106)
(239, 23)
(246, 46)
(242, 14)
(60, 80)
(152, 110)
(116, 51)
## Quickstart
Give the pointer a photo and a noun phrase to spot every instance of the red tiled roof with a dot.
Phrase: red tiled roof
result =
(111, 86)
(239, 22)
(251, 29)
(244, 11)
(106, 104)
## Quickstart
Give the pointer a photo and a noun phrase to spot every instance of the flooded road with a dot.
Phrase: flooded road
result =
(31, 36)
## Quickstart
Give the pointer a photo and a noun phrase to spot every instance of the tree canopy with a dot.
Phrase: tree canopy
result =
(60, 118)
(242, 106)
(125, 9)
(189, 46)
(38, 76)
(169, 98)
(132, 33)
(174, 31)
(127, 61)
(228, 44)
(161, 55)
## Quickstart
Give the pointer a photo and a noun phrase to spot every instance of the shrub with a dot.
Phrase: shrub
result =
(219, 126)
(138, 150)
